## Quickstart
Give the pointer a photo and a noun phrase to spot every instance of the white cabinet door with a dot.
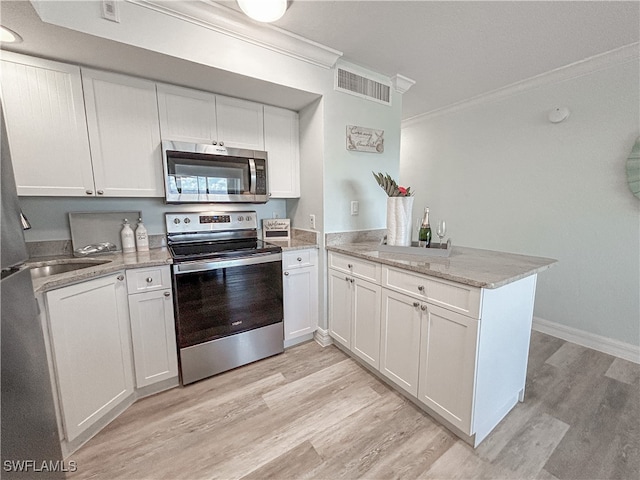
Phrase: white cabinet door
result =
(46, 126)
(240, 123)
(89, 324)
(300, 302)
(448, 343)
(400, 339)
(365, 333)
(124, 134)
(153, 335)
(283, 147)
(187, 115)
(340, 307)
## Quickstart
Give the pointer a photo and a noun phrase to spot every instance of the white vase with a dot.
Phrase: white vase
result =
(399, 221)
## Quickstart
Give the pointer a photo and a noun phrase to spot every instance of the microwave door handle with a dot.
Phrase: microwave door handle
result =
(252, 171)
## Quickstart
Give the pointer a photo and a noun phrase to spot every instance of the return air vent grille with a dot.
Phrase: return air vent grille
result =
(360, 86)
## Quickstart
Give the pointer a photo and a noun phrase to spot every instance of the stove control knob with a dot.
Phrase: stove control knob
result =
(176, 221)
(187, 220)
(240, 218)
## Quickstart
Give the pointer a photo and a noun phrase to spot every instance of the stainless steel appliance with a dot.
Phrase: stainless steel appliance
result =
(203, 173)
(29, 433)
(227, 287)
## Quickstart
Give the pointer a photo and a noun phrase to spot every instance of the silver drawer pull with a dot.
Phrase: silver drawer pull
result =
(89, 192)
(349, 265)
(149, 280)
(120, 277)
(416, 304)
(100, 192)
(167, 294)
(286, 273)
(421, 288)
(299, 259)
(423, 308)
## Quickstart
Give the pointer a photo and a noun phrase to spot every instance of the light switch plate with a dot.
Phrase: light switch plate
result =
(355, 207)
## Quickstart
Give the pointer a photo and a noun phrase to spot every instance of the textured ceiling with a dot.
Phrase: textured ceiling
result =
(454, 50)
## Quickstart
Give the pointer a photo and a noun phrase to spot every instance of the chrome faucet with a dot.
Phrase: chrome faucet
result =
(95, 248)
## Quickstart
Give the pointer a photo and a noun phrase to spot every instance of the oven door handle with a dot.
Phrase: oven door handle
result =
(200, 266)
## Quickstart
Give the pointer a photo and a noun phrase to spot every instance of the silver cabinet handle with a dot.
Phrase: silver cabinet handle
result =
(423, 308)
(149, 280)
(299, 259)
(222, 144)
(120, 277)
(100, 192)
(421, 288)
(167, 294)
(214, 142)
(352, 280)
(286, 273)
(416, 304)
(89, 192)
(347, 279)
(349, 265)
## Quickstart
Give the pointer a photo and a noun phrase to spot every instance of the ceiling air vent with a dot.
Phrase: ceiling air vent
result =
(355, 84)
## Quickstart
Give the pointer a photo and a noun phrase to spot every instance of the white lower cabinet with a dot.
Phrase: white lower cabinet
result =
(354, 309)
(400, 339)
(152, 325)
(89, 327)
(459, 351)
(448, 343)
(300, 294)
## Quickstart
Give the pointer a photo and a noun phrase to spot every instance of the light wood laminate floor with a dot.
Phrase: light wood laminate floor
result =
(314, 413)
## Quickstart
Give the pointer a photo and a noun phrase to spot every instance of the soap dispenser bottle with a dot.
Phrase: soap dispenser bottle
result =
(127, 237)
(142, 239)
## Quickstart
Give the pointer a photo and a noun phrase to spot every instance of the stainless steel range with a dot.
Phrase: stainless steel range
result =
(227, 287)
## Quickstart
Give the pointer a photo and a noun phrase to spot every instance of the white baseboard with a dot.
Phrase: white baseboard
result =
(602, 344)
(322, 337)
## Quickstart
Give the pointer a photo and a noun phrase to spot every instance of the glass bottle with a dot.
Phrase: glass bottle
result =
(424, 234)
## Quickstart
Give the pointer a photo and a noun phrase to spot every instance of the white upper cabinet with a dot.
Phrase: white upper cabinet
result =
(122, 119)
(240, 123)
(187, 115)
(46, 126)
(282, 142)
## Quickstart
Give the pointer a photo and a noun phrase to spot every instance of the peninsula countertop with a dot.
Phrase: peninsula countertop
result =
(469, 266)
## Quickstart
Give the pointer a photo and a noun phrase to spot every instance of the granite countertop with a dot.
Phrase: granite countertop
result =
(293, 244)
(116, 262)
(469, 266)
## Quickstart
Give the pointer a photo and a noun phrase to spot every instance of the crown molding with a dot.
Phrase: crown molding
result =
(612, 58)
(402, 83)
(234, 24)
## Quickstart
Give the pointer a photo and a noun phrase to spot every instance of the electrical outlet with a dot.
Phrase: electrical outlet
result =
(312, 221)
(110, 10)
(355, 207)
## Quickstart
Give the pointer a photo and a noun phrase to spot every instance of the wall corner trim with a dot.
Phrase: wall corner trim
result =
(602, 61)
(322, 337)
(602, 344)
(234, 24)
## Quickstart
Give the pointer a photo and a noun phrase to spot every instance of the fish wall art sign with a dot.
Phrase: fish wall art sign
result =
(362, 139)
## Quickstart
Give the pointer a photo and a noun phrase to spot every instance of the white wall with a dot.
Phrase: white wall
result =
(505, 178)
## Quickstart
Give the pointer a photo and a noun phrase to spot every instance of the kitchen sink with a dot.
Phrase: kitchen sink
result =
(55, 267)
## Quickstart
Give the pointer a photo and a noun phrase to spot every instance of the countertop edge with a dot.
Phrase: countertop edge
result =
(352, 249)
(117, 262)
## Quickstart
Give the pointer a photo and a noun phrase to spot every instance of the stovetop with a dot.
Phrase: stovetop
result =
(221, 249)
(214, 235)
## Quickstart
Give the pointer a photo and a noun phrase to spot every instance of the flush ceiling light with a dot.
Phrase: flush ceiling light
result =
(263, 10)
(9, 36)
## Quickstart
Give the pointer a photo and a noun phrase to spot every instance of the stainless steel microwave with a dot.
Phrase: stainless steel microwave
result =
(204, 173)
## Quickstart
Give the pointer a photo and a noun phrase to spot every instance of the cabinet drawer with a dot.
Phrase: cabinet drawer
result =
(454, 296)
(299, 258)
(355, 266)
(148, 279)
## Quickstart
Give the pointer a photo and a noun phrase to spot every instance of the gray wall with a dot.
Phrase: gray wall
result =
(505, 178)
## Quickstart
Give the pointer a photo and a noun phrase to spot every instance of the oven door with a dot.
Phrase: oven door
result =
(214, 299)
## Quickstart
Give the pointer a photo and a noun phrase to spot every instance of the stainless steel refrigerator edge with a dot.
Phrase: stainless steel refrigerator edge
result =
(29, 434)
